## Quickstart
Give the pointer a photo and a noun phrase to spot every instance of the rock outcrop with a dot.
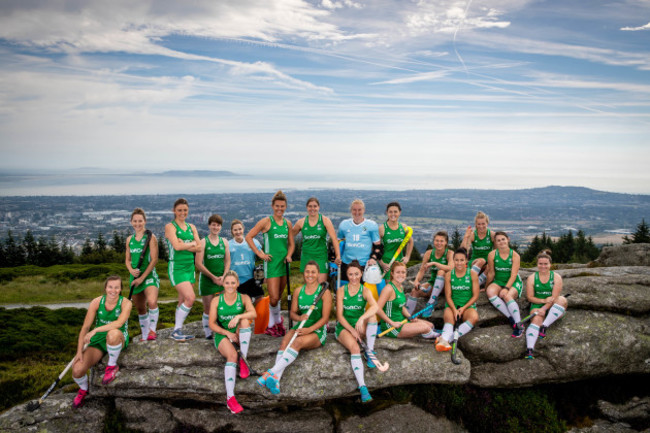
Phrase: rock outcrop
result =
(625, 255)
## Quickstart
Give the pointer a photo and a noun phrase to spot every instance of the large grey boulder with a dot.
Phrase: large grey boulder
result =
(165, 369)
(56, 415)
(582, 345)
(635, 411)
(397, 419)
(625, 255)
(155, 417)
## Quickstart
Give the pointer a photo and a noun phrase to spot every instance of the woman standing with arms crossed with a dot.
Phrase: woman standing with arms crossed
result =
(439, 260)
(110, 312)
(481, 241)
(311, 335)
(392, 233)
(230, 315)
(315, 228)
(504, 282)
(278, 248)
(543, 290)
(146, 283)
(355, 306)
(182, 242)
(213, 261)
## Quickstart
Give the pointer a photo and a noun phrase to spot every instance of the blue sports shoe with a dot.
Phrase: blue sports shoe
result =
(261, 381)
(365, 395)
(273, 384)
(179, 335)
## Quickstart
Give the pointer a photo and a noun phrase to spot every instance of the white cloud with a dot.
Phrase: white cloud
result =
(635, 29)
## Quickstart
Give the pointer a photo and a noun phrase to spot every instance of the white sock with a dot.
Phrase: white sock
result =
(82, 382)
(531, 336)
(500, 305)
(448, 332)
(230, 371)
(411, 303)
(371, 335)
(278, 356)
(285, 360)
(113, 354)
(357, 368)
(205, 319)
(153, 319)
(181, 314)
(476, 269)
(144, 325)
(244, 340)
(438, 285)
(275, 313)
(431, 334)
(482, 278)
(271, 319)
(464, 328)
(513, 308)
(553, 314)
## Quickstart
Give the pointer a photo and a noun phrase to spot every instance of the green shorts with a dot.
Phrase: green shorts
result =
(181, 272)
(471, 306)
(207, 286)
(340, 328)
(99, 341)
(517, 285)
(321, 333)
(322, 262)
(218, 337)
(392, 334)
(151, 280)
(275, 268)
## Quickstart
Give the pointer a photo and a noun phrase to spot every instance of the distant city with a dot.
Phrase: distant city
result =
(522, 213)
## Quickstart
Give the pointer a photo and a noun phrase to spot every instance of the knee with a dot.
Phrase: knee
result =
(274, 299)
(152, 304)
(441, 273)
(78, 370)
(189, 300)
(113, 337)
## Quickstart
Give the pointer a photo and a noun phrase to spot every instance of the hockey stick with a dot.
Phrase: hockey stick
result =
(454, 346)
(288, 268)
(409, 233)
(312, 307)
(33, 405)
(380, 366)
(145, 249)
(338, 276)
(531, 315)
(429, 307)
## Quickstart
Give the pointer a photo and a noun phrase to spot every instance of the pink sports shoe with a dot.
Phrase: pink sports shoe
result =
(152, 335)
(109, 374)
(244, 372)
(280, 328)
(233, 405)
(79, 399)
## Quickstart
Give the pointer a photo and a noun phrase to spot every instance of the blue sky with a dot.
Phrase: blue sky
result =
(428, 93)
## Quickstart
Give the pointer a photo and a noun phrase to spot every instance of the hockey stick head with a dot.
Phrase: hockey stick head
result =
(454, 346)
(378, 364)
(32, 406)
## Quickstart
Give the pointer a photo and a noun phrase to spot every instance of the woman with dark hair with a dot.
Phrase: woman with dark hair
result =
(392, 233)
(543, 290)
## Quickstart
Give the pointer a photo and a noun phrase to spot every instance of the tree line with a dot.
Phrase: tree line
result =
(47, 251)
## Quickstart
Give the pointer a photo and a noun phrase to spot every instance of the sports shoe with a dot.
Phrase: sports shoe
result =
(244, 372)
(529, 354)
(542, 332)
(512, 322)
(518, 330)
(208, 337)
(152, 335)
(280, 328)
(234, 405)
(272, 331)
(261, 381)
(369, 362)
(273, 383)
(442, 345)
(79, 399)
(180, 336)
(365, 395)
(109, 374)
(429, 312)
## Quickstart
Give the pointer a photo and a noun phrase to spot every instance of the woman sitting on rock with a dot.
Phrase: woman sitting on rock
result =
(439, 260)
(504, 282)
(461, 291)
(230, 317)
(392, 310)
(310, 329)
(110, 312)
(543, 290)
(352, 299)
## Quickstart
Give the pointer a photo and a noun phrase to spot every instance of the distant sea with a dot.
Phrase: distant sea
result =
(99, 182)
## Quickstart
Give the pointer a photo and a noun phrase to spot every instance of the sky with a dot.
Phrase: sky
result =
(410, 94)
